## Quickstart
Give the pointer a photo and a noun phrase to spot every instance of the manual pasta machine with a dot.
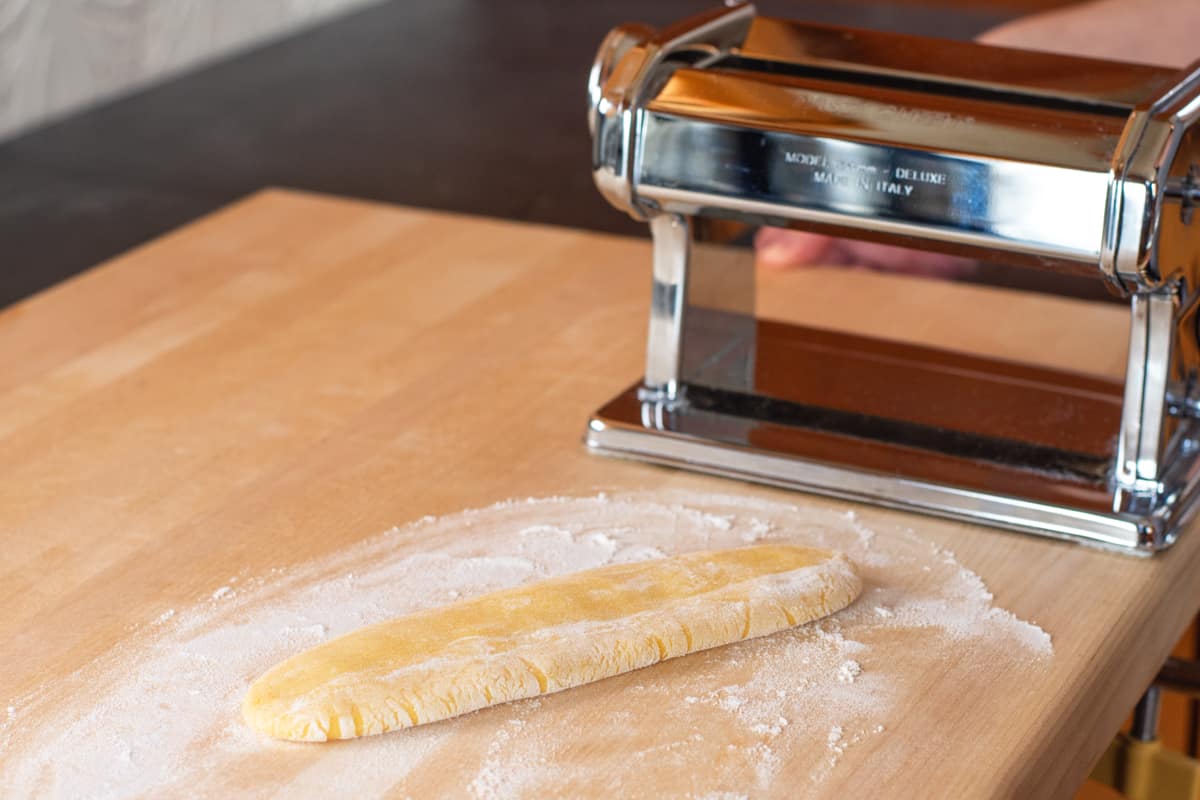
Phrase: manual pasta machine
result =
(732, 120)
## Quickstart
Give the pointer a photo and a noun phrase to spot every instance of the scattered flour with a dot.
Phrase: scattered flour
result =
(756, 530)
(722, 522)
(848, 671)
(160, 715)
(730, 701)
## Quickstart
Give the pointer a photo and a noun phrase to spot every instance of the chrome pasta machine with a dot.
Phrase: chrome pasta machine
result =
(729, 121)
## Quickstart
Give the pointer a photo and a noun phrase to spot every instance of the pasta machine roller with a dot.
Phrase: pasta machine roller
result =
(729, 121)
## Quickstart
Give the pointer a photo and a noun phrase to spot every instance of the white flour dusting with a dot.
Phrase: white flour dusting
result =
(160, 713)
(848, 671)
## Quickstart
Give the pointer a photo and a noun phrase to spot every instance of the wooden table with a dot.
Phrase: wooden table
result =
(264, 385)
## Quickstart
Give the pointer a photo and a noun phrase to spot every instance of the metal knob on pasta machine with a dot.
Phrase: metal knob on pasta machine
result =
(731, 120)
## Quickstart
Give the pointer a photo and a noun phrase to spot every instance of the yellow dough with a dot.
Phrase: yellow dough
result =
(544, 637)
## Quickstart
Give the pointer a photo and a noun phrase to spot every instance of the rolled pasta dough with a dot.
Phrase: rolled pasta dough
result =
(544, 637)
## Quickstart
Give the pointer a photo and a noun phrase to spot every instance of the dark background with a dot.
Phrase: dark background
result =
(473, 106)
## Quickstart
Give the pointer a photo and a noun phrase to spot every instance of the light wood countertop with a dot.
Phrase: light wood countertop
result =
(296, 373)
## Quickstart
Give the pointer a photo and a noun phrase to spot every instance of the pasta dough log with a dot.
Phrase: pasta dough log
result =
(544, 637)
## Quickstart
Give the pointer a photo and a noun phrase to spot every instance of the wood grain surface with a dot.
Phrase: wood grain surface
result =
(296, 373)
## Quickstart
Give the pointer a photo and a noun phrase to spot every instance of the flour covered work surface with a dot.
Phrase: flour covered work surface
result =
(794, 713)
(552, 635)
